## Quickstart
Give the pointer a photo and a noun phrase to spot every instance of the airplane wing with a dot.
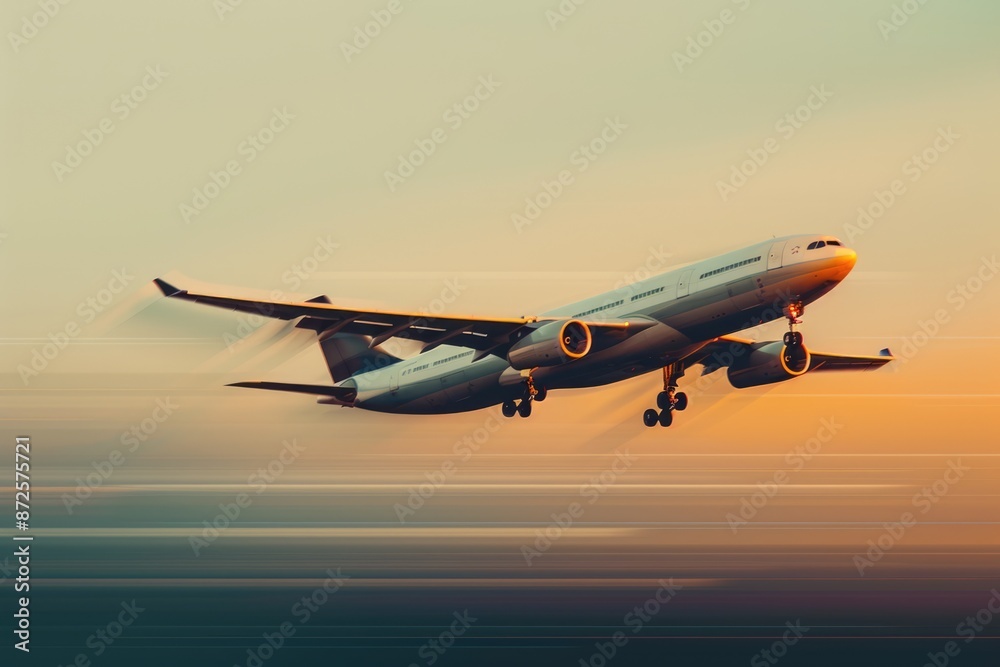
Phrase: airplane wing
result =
(715, 355)
(479, 333)
(822, 361)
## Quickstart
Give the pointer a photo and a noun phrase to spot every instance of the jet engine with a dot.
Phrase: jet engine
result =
(768, 363)
(551, 344)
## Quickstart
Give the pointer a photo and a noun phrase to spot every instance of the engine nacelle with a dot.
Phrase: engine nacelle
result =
(551, 344)
(771, 362)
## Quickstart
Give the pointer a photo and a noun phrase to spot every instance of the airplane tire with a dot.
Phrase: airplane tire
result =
(682, 400)
(663, 400)
(509, 408)
(524, 409)
(666, 417)
(542, 393)
(650, 417)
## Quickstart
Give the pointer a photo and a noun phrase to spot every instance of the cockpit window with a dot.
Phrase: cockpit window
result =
(834, 242)
(812, 246)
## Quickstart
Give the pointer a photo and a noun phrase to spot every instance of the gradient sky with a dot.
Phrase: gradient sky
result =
(654, 188)
(448, 230)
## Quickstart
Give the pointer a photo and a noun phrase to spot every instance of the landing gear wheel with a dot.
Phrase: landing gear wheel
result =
(524, 408)
(542, 393)
(663, 400)
(509, 408)
(792, 338)
(669, 399)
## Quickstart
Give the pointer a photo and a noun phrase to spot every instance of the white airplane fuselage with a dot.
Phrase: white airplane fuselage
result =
(686, 308)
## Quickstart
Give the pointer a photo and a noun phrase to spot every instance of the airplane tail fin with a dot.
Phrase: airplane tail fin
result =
(350, 354)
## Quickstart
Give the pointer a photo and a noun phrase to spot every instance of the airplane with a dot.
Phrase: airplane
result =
(669, 322)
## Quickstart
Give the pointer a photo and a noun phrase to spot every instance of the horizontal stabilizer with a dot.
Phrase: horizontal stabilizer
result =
(345, 394)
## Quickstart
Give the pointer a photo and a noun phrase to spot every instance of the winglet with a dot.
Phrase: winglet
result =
(167, 288)
(884, 352)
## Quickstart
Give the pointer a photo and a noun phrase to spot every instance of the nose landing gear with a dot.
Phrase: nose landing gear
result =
(793, 338)
(668, 400)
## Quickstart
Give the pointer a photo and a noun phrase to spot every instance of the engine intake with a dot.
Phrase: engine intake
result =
(769, 363)
(551, 344)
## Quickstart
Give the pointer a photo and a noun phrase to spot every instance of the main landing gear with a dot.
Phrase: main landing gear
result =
(532, 393)
(667, 400)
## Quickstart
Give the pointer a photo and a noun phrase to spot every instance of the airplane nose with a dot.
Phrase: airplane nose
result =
(847, 256)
